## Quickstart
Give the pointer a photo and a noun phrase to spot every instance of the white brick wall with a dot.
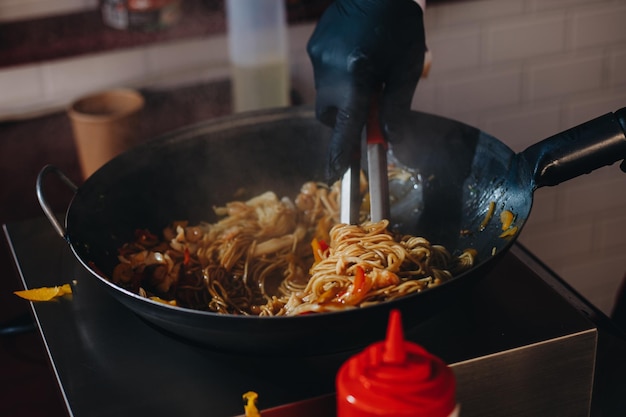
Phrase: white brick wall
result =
(31, 89)
(521, 70)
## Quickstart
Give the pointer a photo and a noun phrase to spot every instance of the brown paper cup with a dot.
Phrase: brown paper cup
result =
(105, 124)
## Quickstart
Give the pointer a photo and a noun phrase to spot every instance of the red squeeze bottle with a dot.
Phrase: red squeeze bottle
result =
(395, 378)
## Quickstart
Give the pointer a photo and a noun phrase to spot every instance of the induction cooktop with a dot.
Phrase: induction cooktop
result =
(522, 342)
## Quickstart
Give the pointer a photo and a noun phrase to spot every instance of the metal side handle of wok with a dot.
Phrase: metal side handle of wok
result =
(579, 150)
(47, 170)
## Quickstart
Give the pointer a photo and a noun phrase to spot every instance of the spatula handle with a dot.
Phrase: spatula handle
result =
(377, 165)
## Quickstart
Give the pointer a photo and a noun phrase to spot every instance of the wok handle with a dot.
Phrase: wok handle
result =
(45, 171)
(579, 150)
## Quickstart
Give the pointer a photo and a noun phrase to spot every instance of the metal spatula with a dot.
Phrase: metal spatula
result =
(377, 169)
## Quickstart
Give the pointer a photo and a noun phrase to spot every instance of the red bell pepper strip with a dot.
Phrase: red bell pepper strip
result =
(187, 257)
(359, 279)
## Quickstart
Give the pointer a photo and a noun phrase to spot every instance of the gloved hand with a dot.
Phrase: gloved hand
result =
(357, 48)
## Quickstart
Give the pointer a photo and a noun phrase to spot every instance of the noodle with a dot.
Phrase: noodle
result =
(257, 259)
(391, 268)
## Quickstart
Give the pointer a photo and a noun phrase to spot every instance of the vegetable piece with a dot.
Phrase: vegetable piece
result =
(145, 237)
(250, 398)
(506, 217)
(359, 279)
(161, 300)
(44, 293)
(187, 257)
(488, 216)
(509, 232)
(319, 248)
(123, 273)
(360, 286)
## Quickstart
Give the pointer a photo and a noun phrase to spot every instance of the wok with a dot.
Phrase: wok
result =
(181, 175)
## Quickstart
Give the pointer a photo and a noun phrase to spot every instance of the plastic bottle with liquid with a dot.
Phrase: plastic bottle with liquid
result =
(395, 378)
(257, 41)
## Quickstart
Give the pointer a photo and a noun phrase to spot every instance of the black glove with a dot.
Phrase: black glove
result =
(357, 48)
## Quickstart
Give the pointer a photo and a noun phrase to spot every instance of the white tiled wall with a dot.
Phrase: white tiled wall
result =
(521, 70)
(31, 89)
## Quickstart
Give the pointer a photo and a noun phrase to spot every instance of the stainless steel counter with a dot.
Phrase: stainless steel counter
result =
(521, 343)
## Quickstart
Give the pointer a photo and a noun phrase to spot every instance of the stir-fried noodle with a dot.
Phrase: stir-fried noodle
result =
(269, 256)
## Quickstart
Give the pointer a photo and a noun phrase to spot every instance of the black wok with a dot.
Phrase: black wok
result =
(183, 174)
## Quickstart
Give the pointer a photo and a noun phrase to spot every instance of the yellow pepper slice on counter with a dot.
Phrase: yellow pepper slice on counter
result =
(250, 398)
(44, 293)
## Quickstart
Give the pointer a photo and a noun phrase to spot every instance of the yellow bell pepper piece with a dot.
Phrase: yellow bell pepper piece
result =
(509, 232)
(492, 206)
(250, 398)
(44, 293)
(506, 217)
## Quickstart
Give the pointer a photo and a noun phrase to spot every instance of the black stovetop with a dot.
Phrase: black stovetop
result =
(109, 362)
